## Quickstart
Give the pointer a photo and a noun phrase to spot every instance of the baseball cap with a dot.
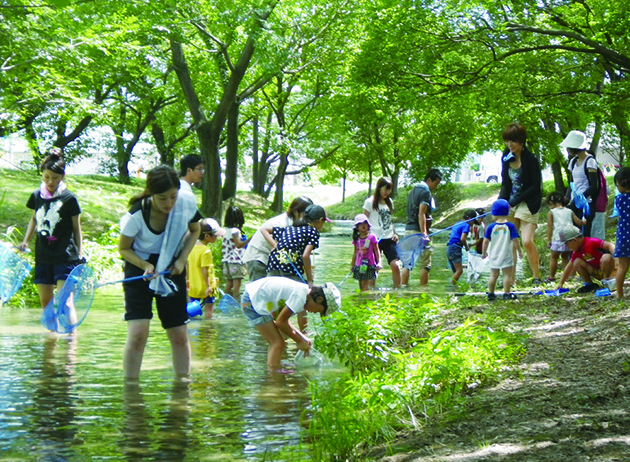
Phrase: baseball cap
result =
(315, 212)
(568, 233)
(500, 208)
(210, 225)
(333, 298)
(575, 140)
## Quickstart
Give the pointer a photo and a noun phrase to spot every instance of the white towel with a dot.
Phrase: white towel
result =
(176, 228)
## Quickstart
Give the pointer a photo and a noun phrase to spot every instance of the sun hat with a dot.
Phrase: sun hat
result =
(575, 140)
(333, 297)
(500, 208)
(210, 225)
(361, 218)
(315, 212)
(568, 232)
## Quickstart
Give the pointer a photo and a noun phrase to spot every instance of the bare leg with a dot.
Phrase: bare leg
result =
(424, 277)
(270, 332)
(395, 266)
(404, 276)
(492, 281)
(46, 293)
(459, 269)
(527, 232)
(137, 335)
(236, 288)
(624, 263)
(180, 347)
(553, 264)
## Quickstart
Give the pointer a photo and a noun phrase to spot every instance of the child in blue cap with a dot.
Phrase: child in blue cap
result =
(504, 239)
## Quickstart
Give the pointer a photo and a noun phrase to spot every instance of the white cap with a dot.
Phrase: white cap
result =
(575, 140)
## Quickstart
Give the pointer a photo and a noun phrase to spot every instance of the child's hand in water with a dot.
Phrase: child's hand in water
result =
(304, 345)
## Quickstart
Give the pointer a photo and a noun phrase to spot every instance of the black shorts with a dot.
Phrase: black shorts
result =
(388, 248)
(139, 298)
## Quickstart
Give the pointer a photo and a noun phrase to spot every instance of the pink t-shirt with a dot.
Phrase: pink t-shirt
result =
(365, 249)
(590, 252)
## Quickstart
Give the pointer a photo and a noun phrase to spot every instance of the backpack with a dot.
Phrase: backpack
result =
(601, 200)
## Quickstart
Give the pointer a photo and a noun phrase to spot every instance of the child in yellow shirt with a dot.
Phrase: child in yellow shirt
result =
(202, 284)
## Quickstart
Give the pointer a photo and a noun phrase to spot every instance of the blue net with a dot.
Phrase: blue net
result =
(70, 305)
(228, 304)
(13, 270)
(580, 201)
(409, 249)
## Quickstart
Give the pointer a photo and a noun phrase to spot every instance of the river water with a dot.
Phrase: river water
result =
(63, 399)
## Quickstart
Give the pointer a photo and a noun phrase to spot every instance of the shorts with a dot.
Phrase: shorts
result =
(424, 260)
(234, 271)
(254, 319)
(256, 270)
(558, 246)
(454, 254)
(50, 273)
(521, 212)
(388, 248)
(139, 298)
(369, 274)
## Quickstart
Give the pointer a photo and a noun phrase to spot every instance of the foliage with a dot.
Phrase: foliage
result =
(404, 367)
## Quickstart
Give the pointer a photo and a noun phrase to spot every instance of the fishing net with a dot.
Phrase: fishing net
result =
(70, 305)
(475, 267)
(228, 304)
(409, 249)
(13, 270)
(580, 201)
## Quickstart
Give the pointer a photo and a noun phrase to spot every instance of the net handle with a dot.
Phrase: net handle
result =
(133, 278)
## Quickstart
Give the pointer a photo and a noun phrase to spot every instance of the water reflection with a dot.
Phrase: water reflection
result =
(155, 431)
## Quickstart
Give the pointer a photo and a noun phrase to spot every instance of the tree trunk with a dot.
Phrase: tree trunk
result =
(231, 155)
(558, 180)
(278, 198)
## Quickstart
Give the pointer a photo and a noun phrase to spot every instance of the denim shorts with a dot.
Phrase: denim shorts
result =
(254, 319)
(454, 253)
(50, 273)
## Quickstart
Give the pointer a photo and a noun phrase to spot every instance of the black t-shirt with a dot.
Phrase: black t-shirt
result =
(55, 241)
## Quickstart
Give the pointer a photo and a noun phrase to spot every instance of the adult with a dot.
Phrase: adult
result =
(583, 175)
(378, 208)
(257, 252)
(420, 205)
(521, 186)
(156, 235)
(191, 170)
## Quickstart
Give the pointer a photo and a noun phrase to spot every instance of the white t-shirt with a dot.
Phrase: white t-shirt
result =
(273, 293)
(562, 217)
(580, 180)
(258, 248)
(501, 250)
(380, 219)
(133, 224)
(185, 186)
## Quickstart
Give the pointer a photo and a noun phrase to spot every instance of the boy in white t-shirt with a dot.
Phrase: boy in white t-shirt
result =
(504, 238)
(269, 303)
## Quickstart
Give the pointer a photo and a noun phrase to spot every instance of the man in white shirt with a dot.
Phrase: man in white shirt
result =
(191, 171)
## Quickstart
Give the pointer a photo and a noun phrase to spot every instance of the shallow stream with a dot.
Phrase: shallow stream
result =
(63, 399)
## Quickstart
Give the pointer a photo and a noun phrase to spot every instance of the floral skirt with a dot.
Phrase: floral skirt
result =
(370, 273)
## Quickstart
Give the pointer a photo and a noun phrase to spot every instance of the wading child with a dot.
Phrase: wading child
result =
(292, 246)
(367, 256)
(622, 243)
(56, 220)
(457, 242)
(156, 235)
(503, 236)
(202, 283)
(280, 298)
(591, 258)
(233, 249)
(558, 217)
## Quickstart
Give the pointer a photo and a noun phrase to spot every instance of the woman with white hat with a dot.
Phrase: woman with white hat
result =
(584, 176)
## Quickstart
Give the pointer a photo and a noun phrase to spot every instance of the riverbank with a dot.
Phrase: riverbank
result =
(570, 402)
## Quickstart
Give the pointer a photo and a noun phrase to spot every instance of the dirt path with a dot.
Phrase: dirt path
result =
(571, 403)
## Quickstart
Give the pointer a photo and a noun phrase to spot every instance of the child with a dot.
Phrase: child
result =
(292, 246)
(477, 230)
(378, 208)
(558, 217)
(56, 220)
(202, 284)
(367, 256)
(232, 252)
(457, 241)
(591, 258)
(156, 235)
(504, 238)
(622, 243)
(283, 297)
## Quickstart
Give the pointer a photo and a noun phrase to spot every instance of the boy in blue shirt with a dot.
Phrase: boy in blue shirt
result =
(457, 241)
(504, 238)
